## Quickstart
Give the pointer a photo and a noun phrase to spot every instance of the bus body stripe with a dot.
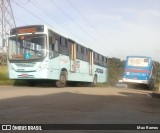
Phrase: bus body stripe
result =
(135, 70)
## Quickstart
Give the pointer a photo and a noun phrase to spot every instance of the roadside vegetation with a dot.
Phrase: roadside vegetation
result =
(4, 76)
(158, 76)
(115, 70)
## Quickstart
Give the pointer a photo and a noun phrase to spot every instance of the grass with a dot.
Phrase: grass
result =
(3, 73)
(4, 80)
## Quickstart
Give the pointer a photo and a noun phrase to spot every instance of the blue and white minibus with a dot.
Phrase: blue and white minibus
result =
(37, 52)
(140, 69)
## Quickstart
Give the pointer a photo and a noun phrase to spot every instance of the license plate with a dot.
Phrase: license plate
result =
(24, 75)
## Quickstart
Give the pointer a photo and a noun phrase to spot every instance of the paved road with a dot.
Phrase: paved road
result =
(79, 105)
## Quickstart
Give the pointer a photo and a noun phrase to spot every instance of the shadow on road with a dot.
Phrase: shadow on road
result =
(80, 108)
(47, 83)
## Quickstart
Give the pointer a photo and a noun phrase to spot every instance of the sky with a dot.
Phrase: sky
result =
(113, 28)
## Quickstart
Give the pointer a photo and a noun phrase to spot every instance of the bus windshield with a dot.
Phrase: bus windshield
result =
(27, 47)
(138, 62)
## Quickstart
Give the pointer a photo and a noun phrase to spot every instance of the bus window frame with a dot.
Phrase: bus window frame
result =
(29, 60)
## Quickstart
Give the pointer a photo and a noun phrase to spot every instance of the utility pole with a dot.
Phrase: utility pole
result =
(6, 23)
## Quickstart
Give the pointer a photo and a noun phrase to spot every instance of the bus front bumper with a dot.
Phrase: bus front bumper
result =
(135, 81)
(28, 75)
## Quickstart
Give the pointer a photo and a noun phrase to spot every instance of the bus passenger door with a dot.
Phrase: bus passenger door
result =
(90, 62)
(73, 57)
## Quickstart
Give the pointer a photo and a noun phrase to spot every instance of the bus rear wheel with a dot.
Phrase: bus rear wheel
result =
(94, 83)
(62, 80)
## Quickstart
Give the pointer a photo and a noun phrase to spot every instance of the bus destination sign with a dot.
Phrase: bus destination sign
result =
(27, 29)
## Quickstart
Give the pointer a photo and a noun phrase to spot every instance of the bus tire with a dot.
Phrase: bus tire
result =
(94, 83)
(151, 85)
(62, 80)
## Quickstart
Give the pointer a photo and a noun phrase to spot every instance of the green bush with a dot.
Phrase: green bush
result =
(115, 70)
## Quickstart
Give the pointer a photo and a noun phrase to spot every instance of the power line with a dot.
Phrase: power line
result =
(81, 28)
(48, 14)
(30, 12)
(20, 20)
(84, 30)
(53, 18)
(92, 38)
(101, 35)
(82, 16)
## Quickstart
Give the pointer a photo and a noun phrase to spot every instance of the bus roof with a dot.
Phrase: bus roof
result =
(136, 56)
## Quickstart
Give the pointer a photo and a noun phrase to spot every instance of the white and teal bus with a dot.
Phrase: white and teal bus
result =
(37, 52)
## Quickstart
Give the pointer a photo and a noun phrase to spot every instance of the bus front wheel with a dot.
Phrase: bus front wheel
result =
(62, 80)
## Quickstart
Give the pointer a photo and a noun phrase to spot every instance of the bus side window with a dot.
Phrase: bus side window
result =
(50, 44)
(56, 46)
(53, 48)
(106, 62)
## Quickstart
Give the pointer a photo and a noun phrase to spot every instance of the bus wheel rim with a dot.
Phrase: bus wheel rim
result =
(63, 79)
